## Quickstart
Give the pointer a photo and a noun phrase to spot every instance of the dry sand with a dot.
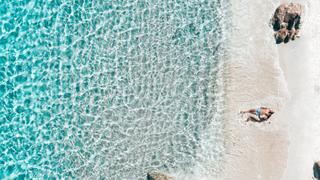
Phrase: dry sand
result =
(300, 62)
(301, 110)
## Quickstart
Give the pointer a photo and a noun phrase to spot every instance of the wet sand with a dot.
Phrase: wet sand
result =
(254, 78)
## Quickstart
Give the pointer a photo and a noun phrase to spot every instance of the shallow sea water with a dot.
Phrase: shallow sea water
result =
(108, 89)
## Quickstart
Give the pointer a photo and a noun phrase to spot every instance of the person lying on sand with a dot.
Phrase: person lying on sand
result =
(263, 113)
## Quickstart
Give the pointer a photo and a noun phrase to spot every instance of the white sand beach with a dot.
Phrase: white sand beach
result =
(282, 77)
(300, 62)
(254, 78)
(300, 110)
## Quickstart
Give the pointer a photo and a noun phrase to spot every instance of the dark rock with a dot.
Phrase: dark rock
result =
(287, 21)
(316, 170)
(291, 36)
(158, 176)
(281, 35)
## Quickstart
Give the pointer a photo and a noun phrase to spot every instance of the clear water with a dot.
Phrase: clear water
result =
(105, 89)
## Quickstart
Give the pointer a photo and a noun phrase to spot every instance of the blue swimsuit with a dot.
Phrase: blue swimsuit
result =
(258, 113)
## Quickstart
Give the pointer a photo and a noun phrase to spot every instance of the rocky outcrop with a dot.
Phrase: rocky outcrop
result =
(287, 22)
(285, 35)
(158, 176)
(316, 170)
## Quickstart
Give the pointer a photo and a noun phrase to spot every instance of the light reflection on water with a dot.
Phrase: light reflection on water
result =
(110, 89)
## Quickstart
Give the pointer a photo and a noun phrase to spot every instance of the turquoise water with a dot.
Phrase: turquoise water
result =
(106, 89)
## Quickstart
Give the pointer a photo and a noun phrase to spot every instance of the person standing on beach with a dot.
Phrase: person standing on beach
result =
(263, 113)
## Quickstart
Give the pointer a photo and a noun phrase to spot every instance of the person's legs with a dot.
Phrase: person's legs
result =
(252, 111)
(252, 117)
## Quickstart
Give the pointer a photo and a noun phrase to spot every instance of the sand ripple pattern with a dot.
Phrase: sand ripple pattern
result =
(105, 89)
